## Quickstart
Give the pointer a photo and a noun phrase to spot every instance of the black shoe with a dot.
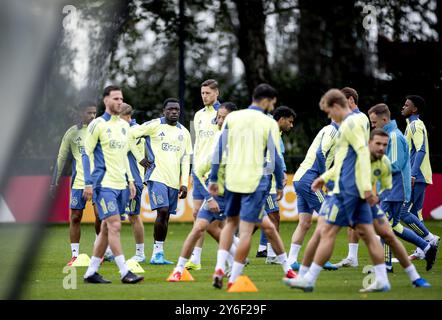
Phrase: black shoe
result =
(131, 278)
(261, 254)
(390, 269)
(96, 278)
(430, 257)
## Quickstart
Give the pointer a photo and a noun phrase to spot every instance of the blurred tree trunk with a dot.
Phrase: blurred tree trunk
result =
(251, 40)
(331, 42)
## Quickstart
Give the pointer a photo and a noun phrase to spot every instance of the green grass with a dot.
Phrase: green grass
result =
(46, 279)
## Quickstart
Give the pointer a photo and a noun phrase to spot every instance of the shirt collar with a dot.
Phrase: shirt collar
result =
(392, 125)
(413, 117)
(133, 122)
(334, 124)
(356, 110)
(252, 107)
(215, 106)
(106, 116)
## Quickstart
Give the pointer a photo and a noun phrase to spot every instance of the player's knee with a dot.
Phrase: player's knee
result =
(114, 226)
(305, 224)
(76, 218)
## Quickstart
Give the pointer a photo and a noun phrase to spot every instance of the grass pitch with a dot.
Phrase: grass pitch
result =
(46, 278)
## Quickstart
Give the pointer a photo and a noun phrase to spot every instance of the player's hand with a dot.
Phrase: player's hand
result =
(132, 189)
(279, 194)
(183, 192)
(213, 189)
(284, 180)
(213, 206)
(52, 191)
(318, 184)
(87, 193)
(371, 198)
(413, 180)
(145, 163)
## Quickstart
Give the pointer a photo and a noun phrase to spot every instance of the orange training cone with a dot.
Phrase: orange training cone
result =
(186, 276)
(243, 284)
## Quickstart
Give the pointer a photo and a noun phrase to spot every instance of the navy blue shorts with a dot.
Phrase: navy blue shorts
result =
(134, 205)
(393, 211)
(377, 212)
(205, 213)
(249, 206)
(271, 204)
(307, 201)
(198, 189)
(161, 196)
(77, 200)
(111, 202)
(348, 211)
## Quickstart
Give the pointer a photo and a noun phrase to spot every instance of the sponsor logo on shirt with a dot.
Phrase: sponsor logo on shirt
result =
(170, 147)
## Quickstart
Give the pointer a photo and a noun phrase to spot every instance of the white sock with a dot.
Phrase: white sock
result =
(262, 247)
(236, 271)
(232, 250)
(221, 258)
(303, 270)
(139, 249)
(282, 258)
(380, 271)
(294, 251)
(196, 255)
(313, 273)
(93, 266)
(235, 240)
(157, 247)
(429, 237)
(75, 249)
(229, 260)
(121, 263)
(412, 272)
(353, 251)
(180, 264)
(270, 252)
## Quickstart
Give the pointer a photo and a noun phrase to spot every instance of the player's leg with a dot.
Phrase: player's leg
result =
(198, 200)
(269, 228)
(224, 246)
(353, 245)
(160, 229)
(75, 233)
(91, 275)
(321, 256)
(242, 251)
(97, 222)
(164, 200)
(312, 245)
(137, 224)
(383, 229)
(138, 230)
(304, 224)
(264, 248)
(199, 227)
(274, 218)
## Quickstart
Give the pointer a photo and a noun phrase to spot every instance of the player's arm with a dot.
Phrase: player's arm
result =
(356, 138)
(275, 157)
(418, 139)
(91, 140)
(328, 146)
(63, 155)
(395, 153)
(185, 165)
(133, 147)
(386, 180)
(217, 156)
